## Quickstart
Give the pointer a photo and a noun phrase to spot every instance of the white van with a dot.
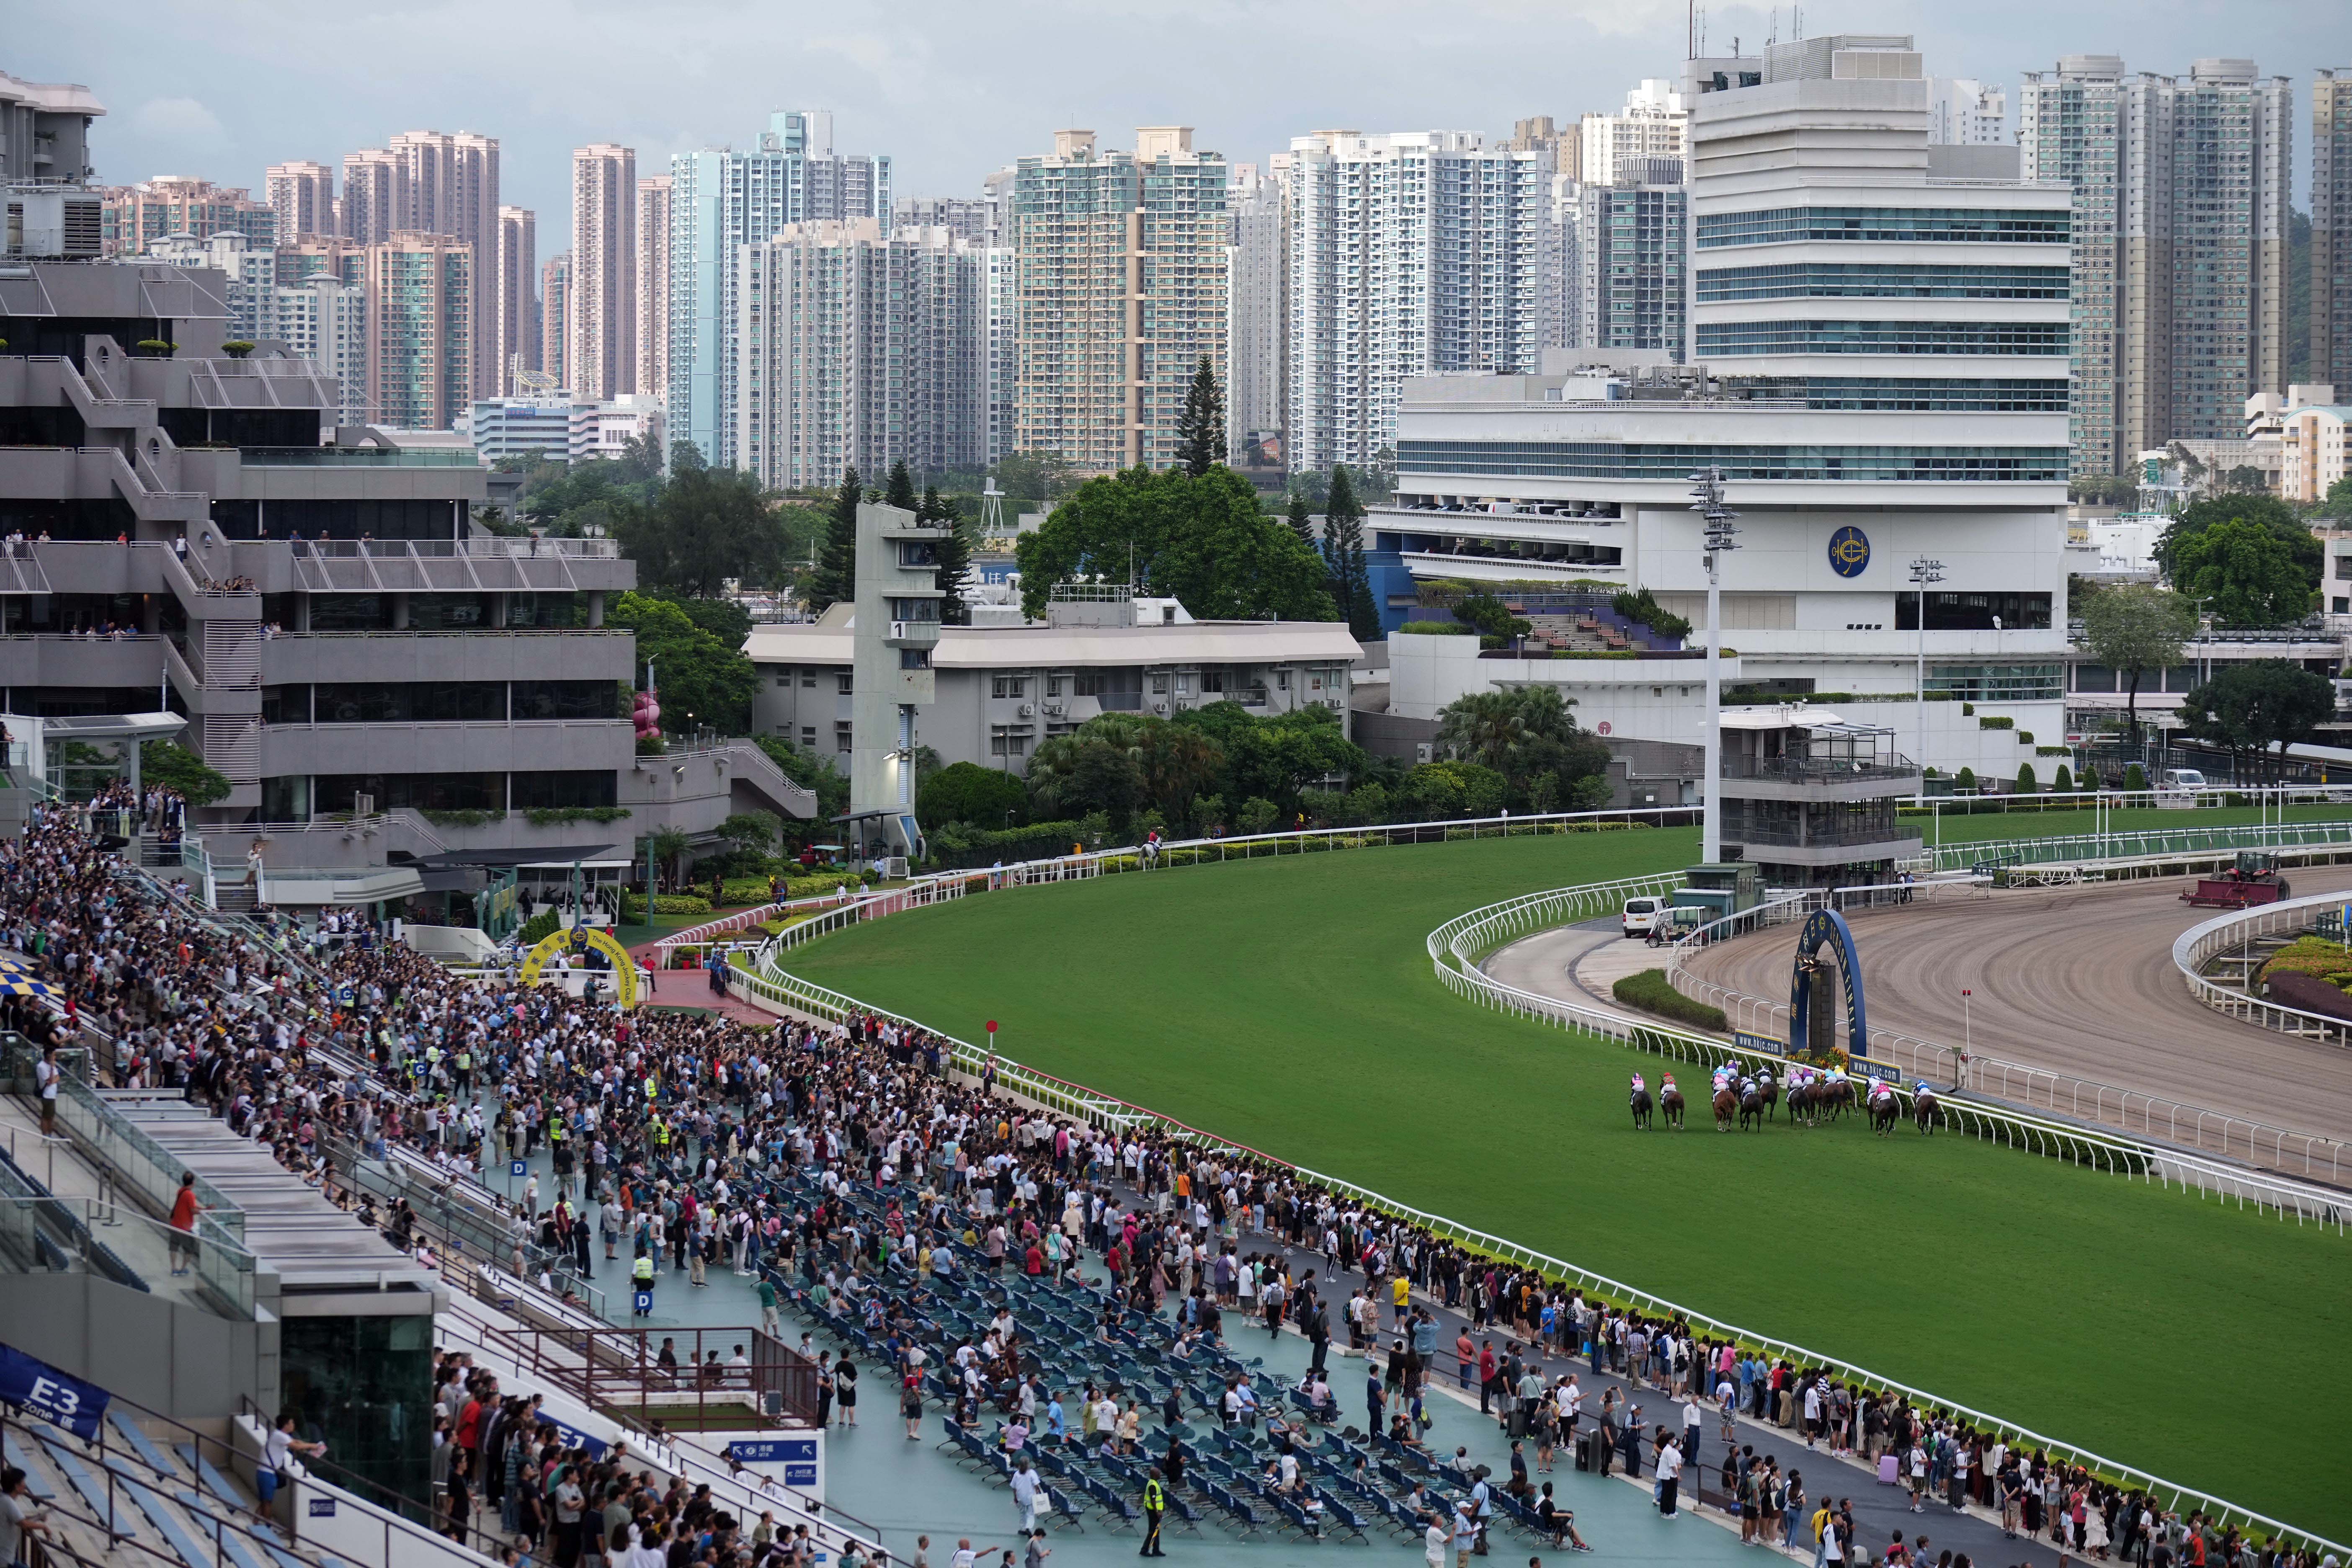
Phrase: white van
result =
(1643, 915)
(2179, 787)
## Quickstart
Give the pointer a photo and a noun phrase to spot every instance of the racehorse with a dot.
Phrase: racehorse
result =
(1752, 1107)
(1771, 1090)
(1726, 1106)
(1833, 1095)
(1924, 1111)
(1882, 1109)
(1670, 1101)
(1641, 1102)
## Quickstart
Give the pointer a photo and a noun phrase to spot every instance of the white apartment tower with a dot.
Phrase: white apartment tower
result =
(1411, 254)
(1651, 125)
(859, 348)
(652, 374)
(2182, 201)
(721, 199)
(1964, 112)
(516, 279)
(555, 316)
(302, 194)
(600, 354)
(1255, 341)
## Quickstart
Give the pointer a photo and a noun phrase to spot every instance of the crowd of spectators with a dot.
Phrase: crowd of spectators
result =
(667, 1128)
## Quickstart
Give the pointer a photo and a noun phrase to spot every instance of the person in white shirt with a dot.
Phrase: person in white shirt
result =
(1670, 1469)
(1025, 1487)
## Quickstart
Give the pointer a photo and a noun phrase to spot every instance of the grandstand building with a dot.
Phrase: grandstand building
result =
(191, 530)
(1878, 365)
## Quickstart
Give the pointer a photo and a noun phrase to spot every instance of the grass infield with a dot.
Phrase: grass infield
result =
(1288, 1005)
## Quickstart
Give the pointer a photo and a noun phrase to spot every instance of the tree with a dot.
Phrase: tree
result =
(1527, 735)
(1201, 429)
(707, 525)
(2337, 501)
(953, 553)
(2246, 575)
(1072, 775)
(2253, 707)
(966, 792)
(669, 846)
(1343, 556)
(1179, 765)
(899, 491)
(2245, 479)
(2101, 489)
(1205, 542)
(836, 579)
(1043, 477)
(756, 831)
(2271, 514)
(813, 772)
(175, 767)
(704, 679)
(2135, 627)
(2064, 784)
(2026, 783)
(1302, 521)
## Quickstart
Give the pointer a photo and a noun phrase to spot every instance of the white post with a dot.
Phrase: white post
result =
(1710, 836)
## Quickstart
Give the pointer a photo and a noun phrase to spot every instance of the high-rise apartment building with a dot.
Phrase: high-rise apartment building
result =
(302, 194)
(335, 257)
(601, 356)
(1651, 125)
(420, 326)
(1964, 112)
(555, 317)
(376, 201)
(249, 274)
(859, 348)
(1001, 272)
(1411, 254)
(2181, 243)
(2331, 227)
(323, 319)
(721, 199)
(133, 217)
(516, 279)
(1541, 133)
(45, 130)
(652, 369)
(979, 219)
(1630, 247)
(1256, 341)
(1122, 290)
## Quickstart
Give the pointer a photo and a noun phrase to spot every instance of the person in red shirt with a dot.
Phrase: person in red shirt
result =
(185, 1209)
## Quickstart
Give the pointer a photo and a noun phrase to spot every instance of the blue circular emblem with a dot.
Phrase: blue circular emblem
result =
(1849, 551)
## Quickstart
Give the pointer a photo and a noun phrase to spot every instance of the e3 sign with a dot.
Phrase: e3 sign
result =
(1849, 551)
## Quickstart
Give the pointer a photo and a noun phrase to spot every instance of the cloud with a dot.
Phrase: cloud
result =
(181, 121)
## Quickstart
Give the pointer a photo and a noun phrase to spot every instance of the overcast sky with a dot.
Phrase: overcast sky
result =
(952, 89)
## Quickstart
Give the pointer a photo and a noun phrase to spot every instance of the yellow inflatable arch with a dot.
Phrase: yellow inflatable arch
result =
(579, 939)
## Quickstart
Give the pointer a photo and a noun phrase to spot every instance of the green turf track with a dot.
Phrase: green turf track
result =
(1288, 1005)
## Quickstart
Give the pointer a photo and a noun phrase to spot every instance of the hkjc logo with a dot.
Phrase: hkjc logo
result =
(1849, 551)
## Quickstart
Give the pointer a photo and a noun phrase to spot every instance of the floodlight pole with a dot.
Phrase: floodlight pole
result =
(1706, 491)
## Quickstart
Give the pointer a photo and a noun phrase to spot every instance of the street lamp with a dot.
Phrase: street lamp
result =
(1923, 571)
(1707, 493)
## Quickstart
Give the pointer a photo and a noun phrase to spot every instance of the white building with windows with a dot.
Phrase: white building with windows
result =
(1878, 367)
(1001, 690)
(1654, 123)
(1412, 253)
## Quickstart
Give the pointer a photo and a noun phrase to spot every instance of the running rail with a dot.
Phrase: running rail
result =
(789, 992)
(2201, 945)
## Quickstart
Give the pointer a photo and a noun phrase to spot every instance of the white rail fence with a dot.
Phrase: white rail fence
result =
(789, 992)
(2199, 945)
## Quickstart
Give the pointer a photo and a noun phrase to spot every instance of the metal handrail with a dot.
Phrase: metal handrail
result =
(2197, 946)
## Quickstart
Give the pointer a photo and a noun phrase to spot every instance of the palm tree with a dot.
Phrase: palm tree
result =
(669, 844)
(1483, 727)
(1179, 763)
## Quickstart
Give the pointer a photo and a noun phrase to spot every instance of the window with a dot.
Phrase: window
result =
(1009, 740)
(1781, 224)
(914, 609)
(1212, 680)
(783, 681)
(529, 792)
(1855, 279)
(1731, 339)
(808, 736)
(1657, 460)
(914, 659)
(1086, 683)
(1058, 685)
(1009, 686)
(1159, 683)
(565, 700)
(841, 735)
(2000, 682)
(1974, 612)
(841, 677)
(808, 681)
(1282, 681)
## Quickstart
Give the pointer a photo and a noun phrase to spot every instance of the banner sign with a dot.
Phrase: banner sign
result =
(1771, 1046)
(1884, 1072)
(573, 1438)
(793, 1460)
(42, 1390)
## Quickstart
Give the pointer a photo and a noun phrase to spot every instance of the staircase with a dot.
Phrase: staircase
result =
(1577, 634)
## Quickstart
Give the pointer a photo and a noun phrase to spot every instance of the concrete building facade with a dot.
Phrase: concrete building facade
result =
(1631, 246)
(1964, 113)
(858, 349)
(515, 275)
(555, 317)
(1257, 340)
(135, 217)
(722, 199)
(376, 202)
(2331, 227)
(1412, 253)
(2180, 243)
(1652, 124)
(1121, 291)
(45, 131)
(651, 373)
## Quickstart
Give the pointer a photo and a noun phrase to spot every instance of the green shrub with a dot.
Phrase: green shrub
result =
(1643, 609)
(1435, 630)
(2025, 737)
(1967, 782)
(540, 927)
(548, 815)
(1989, 721)
(2054, 751)
(2026, 784)
(1651, 991)
(681, 904)
(2064, 784)
(1967, 708)
(236, 348)
(2135, 777)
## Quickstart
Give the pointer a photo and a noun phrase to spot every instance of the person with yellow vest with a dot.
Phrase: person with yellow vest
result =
(1155, 1508)
(642, 1273)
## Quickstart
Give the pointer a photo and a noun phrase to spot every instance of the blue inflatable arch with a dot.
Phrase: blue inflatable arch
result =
(1822, 926)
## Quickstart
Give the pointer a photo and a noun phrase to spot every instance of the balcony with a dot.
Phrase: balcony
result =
(1821, 770)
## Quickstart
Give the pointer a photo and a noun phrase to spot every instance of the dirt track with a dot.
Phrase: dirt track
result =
(2078, 980)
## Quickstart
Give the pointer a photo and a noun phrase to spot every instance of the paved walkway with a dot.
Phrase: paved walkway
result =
(690, 989)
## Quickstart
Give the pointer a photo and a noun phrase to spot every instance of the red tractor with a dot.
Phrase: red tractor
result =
(2255, 879)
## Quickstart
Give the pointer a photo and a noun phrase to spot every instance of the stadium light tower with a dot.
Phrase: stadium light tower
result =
(1706, 492)
(1923, 571)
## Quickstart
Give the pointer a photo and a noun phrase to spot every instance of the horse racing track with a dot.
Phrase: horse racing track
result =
(1287, 1005)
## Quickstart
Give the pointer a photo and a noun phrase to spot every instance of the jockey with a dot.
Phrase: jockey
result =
(1638, 1085)
(1665, 1083)
(1920, 1088)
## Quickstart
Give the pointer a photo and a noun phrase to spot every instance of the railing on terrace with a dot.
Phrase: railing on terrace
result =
(1109, 1111)
(2199, 945)
(1816, 770)
(2139, 845)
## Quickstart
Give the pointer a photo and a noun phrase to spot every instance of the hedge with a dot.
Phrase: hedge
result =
(1651, 991)
(1435, 630)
